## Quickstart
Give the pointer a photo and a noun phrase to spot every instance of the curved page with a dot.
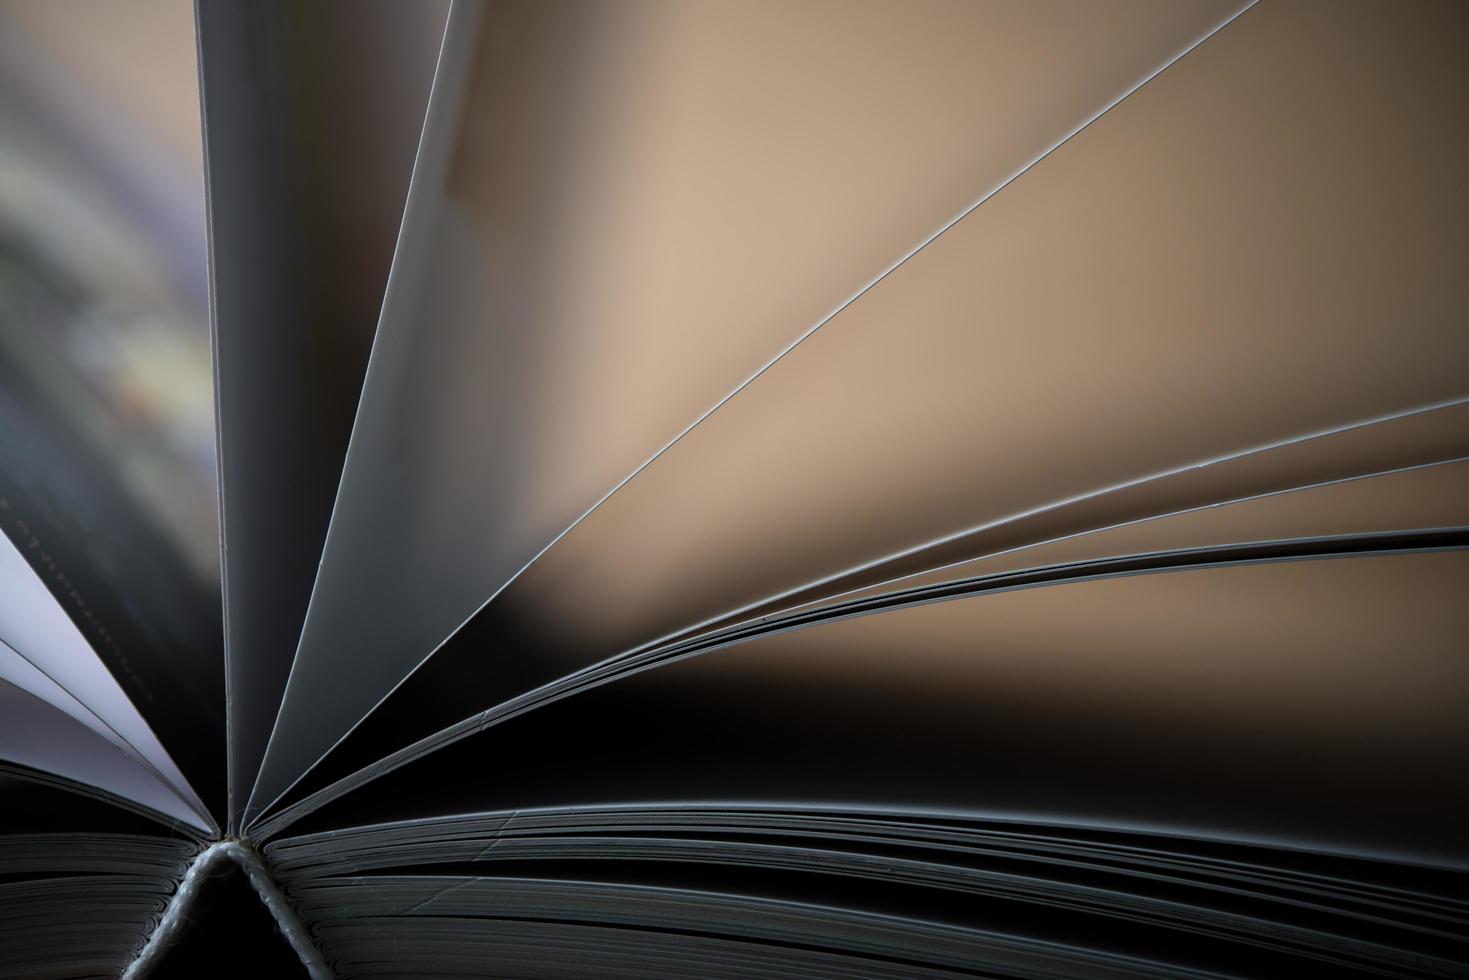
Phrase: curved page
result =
(1153, 296)
(498, 660)
(1423, 497)
(40, 736)
(1308, 704)
(33, 624)
(107, 462)
(555, 602)
(312, 118)
(17, 671)
(1134, 305)
(622, 211)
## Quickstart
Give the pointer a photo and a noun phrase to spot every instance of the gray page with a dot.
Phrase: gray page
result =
(312, 118)
(614, 223)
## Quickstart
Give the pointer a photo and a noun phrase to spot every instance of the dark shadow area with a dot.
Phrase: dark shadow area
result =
(229, 933)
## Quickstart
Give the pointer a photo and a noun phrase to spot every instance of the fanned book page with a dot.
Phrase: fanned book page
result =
(734, 488)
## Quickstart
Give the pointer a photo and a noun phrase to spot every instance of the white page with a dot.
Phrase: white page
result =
(33, 623)
(632, 220)
(16, 670)
(36, 734)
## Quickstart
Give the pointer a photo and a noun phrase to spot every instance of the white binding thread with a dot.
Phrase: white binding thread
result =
(176, 915)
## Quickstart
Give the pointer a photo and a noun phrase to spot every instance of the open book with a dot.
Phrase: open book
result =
(735, 489)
